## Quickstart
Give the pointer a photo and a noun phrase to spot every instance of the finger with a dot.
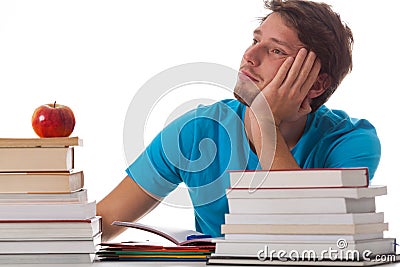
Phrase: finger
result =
(282, 72)
(311, 78)
(294, 71)
(307, 72)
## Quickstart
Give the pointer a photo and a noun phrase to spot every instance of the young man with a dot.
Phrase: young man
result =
(299, 55)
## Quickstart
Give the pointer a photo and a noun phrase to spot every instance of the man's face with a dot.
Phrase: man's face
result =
(273, 42)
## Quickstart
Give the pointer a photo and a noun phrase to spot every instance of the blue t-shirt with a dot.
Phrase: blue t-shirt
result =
(200, 147)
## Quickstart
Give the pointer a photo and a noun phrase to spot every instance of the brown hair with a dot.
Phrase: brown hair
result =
(321, 30)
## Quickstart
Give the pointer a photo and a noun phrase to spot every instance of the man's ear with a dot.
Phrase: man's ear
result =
(323, 81)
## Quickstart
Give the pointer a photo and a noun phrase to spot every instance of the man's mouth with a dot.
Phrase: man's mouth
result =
(245, 75)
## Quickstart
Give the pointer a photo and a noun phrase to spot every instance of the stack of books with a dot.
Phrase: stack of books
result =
(309, 216)
(45, 215)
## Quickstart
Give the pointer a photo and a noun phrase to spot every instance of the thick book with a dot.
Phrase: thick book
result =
(51, 246)
(319, 250)
(349, 192)
(299, 237)
(304, 178)
(41, 182)
(312, 229)
(301, 205)
(180, 237)
(252, 261)
(40, 159)
(53, 211)
(47, 258)
(49, 229)
(79, 196)
(40, 142)
(334, 218)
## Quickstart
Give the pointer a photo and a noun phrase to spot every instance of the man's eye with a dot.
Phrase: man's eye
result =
(277, 51)
(254, 41)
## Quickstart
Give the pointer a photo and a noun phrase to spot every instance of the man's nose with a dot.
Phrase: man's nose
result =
(251, 56)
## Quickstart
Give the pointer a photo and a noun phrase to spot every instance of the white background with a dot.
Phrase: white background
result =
(94, 55)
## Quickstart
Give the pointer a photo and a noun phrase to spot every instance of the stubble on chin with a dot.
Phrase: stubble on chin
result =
(245, 92)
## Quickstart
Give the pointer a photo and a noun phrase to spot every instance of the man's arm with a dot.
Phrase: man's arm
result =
(127, 202)
(286, 97)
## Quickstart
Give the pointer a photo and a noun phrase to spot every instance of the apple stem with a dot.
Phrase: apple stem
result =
(54, 104)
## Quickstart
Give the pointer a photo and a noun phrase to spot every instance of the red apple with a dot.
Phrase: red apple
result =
(53, 120)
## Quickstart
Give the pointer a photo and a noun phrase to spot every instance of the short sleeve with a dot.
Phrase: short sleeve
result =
(156, 169)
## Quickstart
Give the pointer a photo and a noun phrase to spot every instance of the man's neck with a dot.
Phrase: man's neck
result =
(291, 131)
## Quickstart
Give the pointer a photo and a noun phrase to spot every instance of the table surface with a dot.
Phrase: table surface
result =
(115, 264)
(145, 264)
(141, 236)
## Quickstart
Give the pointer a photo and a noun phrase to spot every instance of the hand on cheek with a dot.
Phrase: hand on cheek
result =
(287, 93)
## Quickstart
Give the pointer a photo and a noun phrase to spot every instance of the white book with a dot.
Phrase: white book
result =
(52, 246)
(301, 205)
(252, 249)
(334, 218)
(312, 229)
(59, 211)
(79, 196)
(46, 258)
(50, 230)
(348, 192)
(296, 238)
(304, 178)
